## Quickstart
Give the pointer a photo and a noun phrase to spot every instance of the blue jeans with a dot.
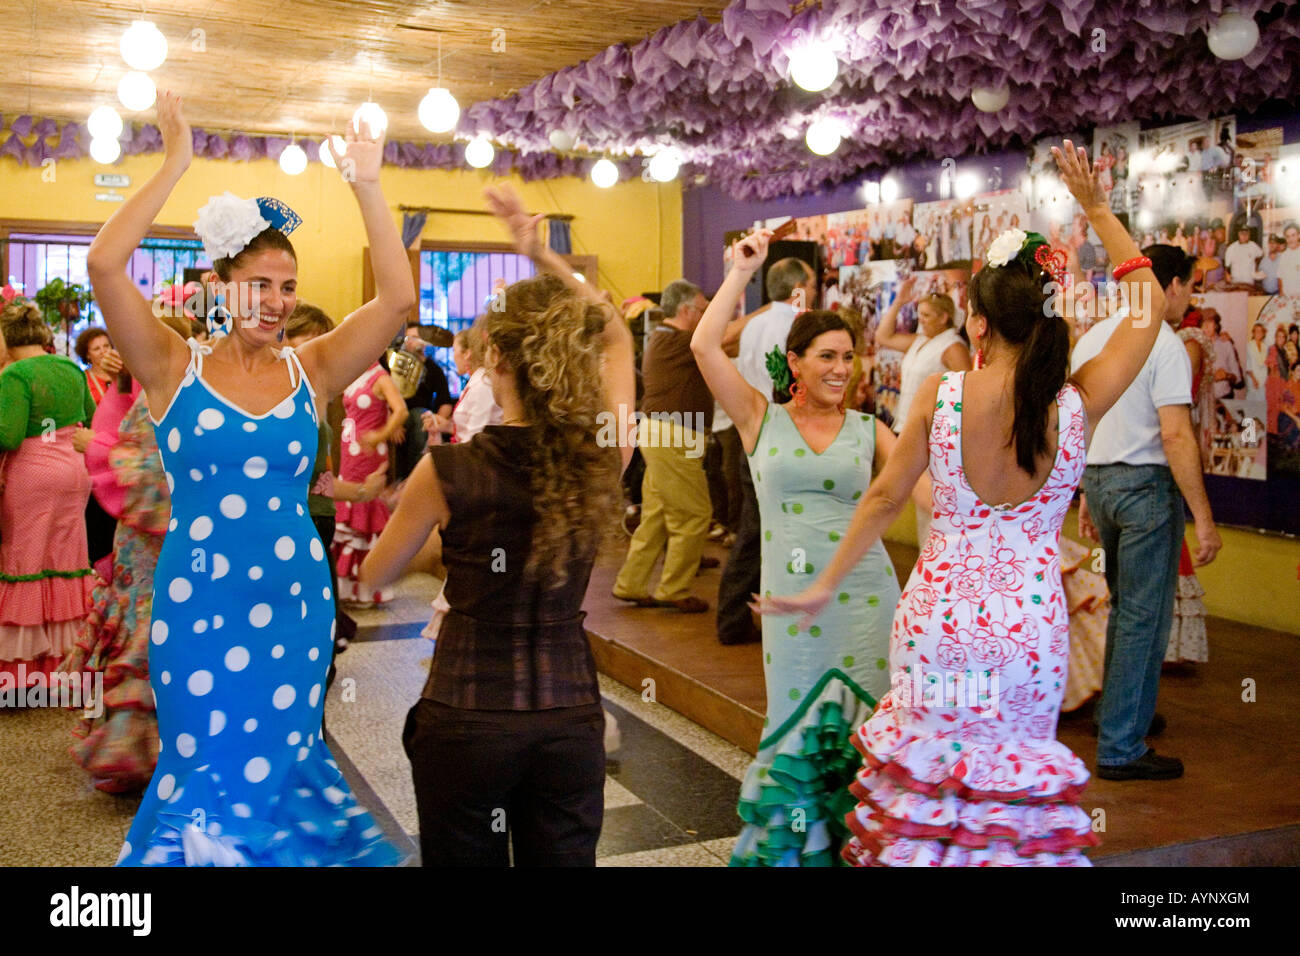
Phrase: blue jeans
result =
(1138, 512)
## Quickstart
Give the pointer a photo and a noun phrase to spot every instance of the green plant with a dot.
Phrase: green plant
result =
(62, 304)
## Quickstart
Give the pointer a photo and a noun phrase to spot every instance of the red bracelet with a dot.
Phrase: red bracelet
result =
(1124, 268)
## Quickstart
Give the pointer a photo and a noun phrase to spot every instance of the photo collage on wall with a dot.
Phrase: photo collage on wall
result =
(1231, 201)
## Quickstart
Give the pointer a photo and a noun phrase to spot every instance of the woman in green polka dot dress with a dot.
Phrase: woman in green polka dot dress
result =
(811, 463)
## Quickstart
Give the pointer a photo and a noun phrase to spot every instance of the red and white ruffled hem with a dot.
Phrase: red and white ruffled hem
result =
(918, 806)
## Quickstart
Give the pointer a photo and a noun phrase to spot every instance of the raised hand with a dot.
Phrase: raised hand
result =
(178, 141)
(907, 290)
(506, 205)
(749, 253)
(363, 156)
(1081, 178)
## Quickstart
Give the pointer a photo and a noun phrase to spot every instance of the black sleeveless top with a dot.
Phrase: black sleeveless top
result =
(507, 643)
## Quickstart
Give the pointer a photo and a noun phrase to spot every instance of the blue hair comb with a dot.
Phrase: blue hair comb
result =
(278, 214)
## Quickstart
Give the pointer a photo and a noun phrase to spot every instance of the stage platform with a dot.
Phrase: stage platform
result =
(1233, 721)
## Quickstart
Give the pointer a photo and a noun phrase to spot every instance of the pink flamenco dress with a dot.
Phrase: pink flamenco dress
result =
(358, 523)
(119, 746)
(961, 762)
(45, 574)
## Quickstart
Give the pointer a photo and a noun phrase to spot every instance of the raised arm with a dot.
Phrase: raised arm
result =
(740, 400)
(617, 363)
(1103, 380)
(877, 510)
(885, 334)
(156, 355)
(335, 359)
(421, 508)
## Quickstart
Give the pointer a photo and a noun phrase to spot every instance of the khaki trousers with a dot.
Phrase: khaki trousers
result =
(675, 513)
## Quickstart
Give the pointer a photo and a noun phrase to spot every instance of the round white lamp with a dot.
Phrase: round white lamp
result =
(604, 174)
(143, 46)
(104, 122)
(479, 152)
(293, 159)
(136, 91)
(439, 110)
(1232, 36)
(989, 99)
(105, 151)
(814, 67)
(373, 116)
(823, 137)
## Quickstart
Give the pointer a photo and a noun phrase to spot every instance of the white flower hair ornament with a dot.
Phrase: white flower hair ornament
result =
(227, 224)
(1005, 247)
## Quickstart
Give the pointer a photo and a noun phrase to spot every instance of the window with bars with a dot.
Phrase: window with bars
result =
(31, 260)
(455, 288)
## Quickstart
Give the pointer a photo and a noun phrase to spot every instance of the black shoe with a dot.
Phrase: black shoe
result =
(1155, 729)
(1147, 767)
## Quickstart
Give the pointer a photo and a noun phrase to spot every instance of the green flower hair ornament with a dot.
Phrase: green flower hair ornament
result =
(779, 369)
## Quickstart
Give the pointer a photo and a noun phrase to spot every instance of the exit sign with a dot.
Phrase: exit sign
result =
(112, 180)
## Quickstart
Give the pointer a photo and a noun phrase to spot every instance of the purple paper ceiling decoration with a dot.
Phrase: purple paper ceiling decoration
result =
(721, 94)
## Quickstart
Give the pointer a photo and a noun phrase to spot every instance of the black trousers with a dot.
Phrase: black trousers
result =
(733, 463)
(100, 529)
(535, 778)
(740, 578)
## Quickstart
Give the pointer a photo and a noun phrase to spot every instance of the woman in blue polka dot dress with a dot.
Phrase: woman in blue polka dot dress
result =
(243, 612)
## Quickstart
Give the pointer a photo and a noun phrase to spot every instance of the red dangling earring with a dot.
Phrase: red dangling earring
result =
(798, 392)
(979, 353)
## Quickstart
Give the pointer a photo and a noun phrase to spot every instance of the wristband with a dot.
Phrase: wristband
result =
(1124, 268)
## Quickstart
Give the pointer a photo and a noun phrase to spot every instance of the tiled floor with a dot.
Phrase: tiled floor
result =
(670, 791)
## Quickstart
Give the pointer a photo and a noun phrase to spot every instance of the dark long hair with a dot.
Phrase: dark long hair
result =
(1013, 298)
(807, 326)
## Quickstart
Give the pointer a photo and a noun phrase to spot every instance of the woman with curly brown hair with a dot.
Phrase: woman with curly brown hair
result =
(509, 735)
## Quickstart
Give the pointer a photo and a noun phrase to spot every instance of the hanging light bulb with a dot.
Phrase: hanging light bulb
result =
(604, 174)
(664, 166)
(813, 67)
(479, 152)
(439, 110)
(560, 140)
(1232, 36)
(104, 123)
(966, 185)
(989, 99)
(105, 150)
(143, 46)
(888, 189)
(136, 91)
(293, 159)
(373, 116)
(823, 137)
(340, 147)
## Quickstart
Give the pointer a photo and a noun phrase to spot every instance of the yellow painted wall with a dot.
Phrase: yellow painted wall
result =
(1253, 580)
(634, 228)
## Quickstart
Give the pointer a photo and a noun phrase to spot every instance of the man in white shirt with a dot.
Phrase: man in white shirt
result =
(791, 286)
(1143, 453)
(1241, 256)
(1288, 261)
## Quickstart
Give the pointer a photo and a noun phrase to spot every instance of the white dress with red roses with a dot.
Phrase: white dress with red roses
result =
(962, 766)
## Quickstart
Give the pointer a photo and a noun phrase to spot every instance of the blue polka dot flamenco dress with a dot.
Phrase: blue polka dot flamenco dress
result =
(243, 622)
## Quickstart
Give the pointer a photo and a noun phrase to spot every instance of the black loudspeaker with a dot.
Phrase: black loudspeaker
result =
(809, 252)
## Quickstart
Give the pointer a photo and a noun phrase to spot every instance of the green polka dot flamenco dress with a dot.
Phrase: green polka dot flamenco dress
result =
(824, 681)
